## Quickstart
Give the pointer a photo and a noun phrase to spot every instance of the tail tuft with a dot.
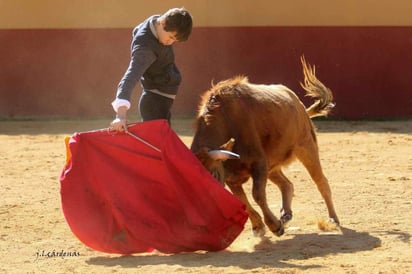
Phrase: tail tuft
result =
(317, 90)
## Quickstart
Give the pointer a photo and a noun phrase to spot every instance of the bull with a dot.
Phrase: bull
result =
(269, 127)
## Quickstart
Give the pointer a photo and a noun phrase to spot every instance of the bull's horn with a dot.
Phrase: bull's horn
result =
(223, 154)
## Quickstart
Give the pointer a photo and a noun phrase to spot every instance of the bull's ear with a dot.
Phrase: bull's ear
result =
(222, 155)
(228, 145)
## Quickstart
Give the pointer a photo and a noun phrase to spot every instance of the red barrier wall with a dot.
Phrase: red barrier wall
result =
(74, 72)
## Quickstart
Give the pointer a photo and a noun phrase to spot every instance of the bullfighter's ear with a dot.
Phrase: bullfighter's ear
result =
(228, 145)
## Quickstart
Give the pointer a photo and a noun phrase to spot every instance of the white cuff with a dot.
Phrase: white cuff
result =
(120, 103)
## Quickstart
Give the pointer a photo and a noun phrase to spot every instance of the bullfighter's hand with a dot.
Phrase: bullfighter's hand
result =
(119, 124)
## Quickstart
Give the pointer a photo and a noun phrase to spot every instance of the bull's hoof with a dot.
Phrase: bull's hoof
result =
(280, 231)
(332, 220)
(286, 218)
(328, 225)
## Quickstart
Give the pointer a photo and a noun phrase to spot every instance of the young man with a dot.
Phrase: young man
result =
(152, 63)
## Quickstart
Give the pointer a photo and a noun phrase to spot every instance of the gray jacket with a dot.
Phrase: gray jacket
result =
(151, 62)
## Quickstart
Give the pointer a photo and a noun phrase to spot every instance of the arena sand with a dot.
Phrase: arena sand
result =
(368, 164)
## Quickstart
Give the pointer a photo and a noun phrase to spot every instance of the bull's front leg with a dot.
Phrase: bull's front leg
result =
(257, 225)
(259, 175)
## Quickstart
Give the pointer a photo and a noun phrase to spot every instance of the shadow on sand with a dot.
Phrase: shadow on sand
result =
(267, 253)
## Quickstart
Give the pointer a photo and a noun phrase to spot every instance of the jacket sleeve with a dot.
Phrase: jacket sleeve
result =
(141, 59)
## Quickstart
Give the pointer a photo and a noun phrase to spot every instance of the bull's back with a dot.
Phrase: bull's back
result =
(278, 119)
(277, 107)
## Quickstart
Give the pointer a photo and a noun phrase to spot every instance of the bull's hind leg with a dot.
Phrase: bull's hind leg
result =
(286, 188)
(308, 154)
(254, 217)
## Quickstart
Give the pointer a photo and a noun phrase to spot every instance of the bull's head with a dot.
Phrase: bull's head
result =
(213, 159)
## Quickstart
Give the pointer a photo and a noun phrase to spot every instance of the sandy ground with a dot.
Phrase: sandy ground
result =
(369, 166)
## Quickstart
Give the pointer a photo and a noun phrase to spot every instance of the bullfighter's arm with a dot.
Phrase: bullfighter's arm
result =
(141, 59)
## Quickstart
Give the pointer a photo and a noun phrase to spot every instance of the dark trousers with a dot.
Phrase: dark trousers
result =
(153, 106)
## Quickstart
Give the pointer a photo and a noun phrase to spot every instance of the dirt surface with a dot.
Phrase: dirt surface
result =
(368, 164)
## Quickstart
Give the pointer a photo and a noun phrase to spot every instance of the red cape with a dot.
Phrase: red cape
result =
(119, 195)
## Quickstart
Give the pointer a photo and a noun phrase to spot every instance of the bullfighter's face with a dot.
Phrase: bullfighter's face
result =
(166, 38)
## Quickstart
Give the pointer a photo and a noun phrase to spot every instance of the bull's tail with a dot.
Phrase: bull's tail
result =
(315, 89)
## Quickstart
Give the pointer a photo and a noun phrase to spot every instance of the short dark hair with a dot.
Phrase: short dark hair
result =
(178, 20)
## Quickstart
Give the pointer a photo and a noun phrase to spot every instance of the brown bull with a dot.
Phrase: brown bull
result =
(269, 127)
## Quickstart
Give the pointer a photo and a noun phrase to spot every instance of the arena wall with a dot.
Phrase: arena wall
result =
(65, 58)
